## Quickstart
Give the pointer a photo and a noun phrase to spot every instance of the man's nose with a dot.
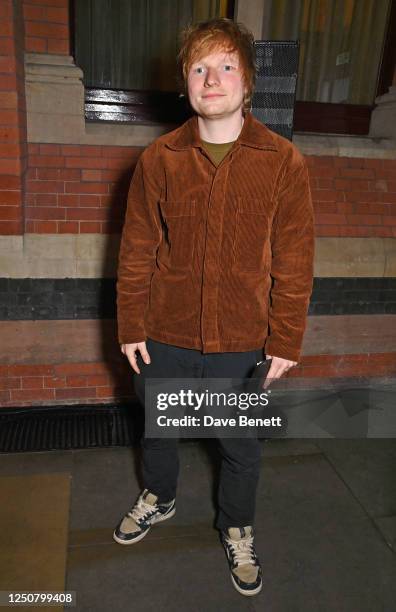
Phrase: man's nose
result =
(212, 77)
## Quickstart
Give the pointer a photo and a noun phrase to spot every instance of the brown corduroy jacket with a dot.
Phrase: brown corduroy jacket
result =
(219, 258)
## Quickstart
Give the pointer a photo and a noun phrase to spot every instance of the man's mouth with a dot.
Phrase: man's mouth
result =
(213, 96)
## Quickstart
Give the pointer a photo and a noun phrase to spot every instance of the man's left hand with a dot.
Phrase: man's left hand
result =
(278, 367)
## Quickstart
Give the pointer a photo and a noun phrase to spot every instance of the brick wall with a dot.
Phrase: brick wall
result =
(13, 148)
(47, 26)
(81, 189)
(77, 189)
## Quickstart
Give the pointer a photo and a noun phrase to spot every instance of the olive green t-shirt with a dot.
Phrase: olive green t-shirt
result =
(217, 151)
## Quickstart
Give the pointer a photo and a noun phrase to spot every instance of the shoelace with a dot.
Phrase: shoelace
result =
(141, 510)
(242, 550)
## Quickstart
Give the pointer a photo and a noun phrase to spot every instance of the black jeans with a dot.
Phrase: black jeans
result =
(241, 458)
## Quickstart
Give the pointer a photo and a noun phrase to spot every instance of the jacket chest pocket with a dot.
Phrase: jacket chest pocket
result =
(179, 218)
(251, 235)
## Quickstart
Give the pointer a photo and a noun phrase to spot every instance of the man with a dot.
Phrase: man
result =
(215, 266)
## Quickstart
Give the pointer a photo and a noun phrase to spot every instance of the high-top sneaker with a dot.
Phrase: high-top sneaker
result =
(137, 523)
(242, 559)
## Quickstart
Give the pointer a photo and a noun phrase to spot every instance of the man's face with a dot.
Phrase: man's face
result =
(215, 86)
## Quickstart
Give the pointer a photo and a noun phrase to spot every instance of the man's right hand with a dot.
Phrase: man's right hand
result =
(130, 351)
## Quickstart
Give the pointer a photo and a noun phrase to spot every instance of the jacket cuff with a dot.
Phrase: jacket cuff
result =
(278, 349)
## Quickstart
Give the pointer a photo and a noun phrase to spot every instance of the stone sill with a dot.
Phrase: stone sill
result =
(309, 143)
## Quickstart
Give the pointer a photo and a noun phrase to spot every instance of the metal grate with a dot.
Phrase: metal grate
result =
(69, 427)
(276, 82)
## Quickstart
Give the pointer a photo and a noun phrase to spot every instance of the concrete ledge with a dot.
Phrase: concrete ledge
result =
(96, 256)
(95, 340)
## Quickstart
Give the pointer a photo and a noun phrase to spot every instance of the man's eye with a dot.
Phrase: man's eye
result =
(199, 70)
(228, 67)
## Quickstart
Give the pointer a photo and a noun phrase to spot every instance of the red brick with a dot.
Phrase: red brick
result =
(389, 198)
(74, 393)
(4, 398)
(32, 394)
(363, 173)
(363, 196)
(46, 199)
(91, 150)
(57, 15)
(113, 176)
(91, 175)
(85, 162)
(6, 9)
(351, 184)
(70, 174)
(97, 381)
(99, 188)
(10, 383)
(8, 82)
(322, 183)
(36, 45)
(69, 200)
(9, 117)
(70, 369)
(47, 173)
(10, 197)
(86, 214)
(76, 381)
(71, 150)
(325, 195)
(61, 3)
(7, 64)
(6, 27)
(60, 47)
(6, 46)
(364, 219)
(8, 99)
(45, 161)
(34, 13)
(54, 381)
(10, 166)
(49, 149)
(391, 185)
(10, 228)
(10, 182)
(91, 200)
(90, 227)
(330, 219)
(34, 149)
(377, 208)
(46, 213)
(120, 164)
(10, 150)
(32, 382)
(390, 220)
(10, 213)
(326, 207)
(109, 392)
(46, 30)
(8, 134)
(346, 207)
(45, 186)
(30, 370)
(45, 227)
(68, 227)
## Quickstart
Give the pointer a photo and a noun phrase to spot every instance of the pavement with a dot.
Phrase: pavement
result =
(325, 529)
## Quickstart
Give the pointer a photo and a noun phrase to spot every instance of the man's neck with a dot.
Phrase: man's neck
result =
(220, 130)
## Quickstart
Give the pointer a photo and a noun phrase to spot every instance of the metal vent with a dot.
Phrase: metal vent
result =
(276, 82)
(69, 427)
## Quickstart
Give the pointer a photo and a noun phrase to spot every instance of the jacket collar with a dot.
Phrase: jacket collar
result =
(253, 134)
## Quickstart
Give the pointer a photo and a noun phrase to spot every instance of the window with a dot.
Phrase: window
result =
(342, 48)
(127, 50)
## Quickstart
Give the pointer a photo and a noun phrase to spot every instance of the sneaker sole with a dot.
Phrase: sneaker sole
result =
(162, 518)
(248, 593)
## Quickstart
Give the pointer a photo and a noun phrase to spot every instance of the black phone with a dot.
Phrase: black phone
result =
(261, 370)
